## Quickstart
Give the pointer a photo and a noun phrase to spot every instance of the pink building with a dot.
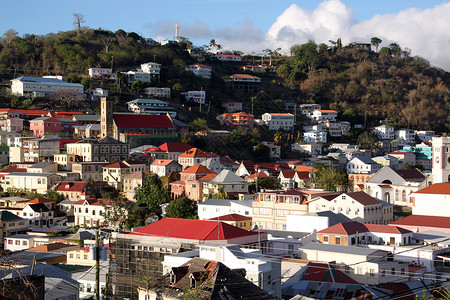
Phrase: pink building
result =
(45, 125)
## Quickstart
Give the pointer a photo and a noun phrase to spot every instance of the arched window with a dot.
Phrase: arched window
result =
(376, 195)
(396, 197)
(387, 181)
(387, 197)
(404, 196)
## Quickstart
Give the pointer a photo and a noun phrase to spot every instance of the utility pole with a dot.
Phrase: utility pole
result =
(112, 63)
(97, 266)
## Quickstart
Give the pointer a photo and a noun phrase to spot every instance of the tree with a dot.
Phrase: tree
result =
(330, 178)
(199, 125)
(367, 140)
(117, 209)
(183, 208)
(9, 35)
(152, 194)
(376, 42)
(278, 137)
(52, 195)
(78, 19)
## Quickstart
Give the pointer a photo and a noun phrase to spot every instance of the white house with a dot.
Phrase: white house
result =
(132, 76)
(196, 96)
(308, 108)
(277, 121)
(89, 212)
(213, 208)
(228, 57)
(37, 214)
(99, 72)
(407, 135)
(228, 181)
(28, 86)
(163, 92)
(315, 137)
(200, 70)
(425, 135)
(357, 206)
(151, 107)
(19, 242)
(324, 115)
(362, 165)
(384, 132)
(154, 69)
(311, 148)
(432, 200)
(162, 167)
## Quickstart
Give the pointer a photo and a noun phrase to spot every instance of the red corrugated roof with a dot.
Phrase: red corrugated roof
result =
(232, 218)
(200, 230)
(142, 121)
(424, 221)
(198, 169)
(173, 147)
(13, 169)
(243, 76)
(437, 188)
(40, 200)
(117, 165)
(62, 142)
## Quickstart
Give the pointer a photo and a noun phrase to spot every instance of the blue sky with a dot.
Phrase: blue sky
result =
(247, 25)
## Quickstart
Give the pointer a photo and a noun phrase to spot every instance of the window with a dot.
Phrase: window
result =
(372, 272)
(393, 271)
(17, 243)
(325, 238)
(338, 240)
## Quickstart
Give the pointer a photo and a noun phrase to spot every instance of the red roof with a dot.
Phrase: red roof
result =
(40, 200)
(257, 174)
(117, 165)
(227, 55)
(142, 121)
(201, 230)
(62, 142)
(65, 186)
(437, 188)
(232, 218)
(324, 272)
(350, 228)
(13, 169)
(243, 76)
(194, 152)
(363, 198)
(424, 221)
(198, 169)
(173, 147)
(208, 177)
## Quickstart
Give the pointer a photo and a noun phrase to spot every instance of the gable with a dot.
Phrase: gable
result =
(385, 174)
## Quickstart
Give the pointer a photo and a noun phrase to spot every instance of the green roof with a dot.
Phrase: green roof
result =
(4, 148)
(41, 118)
(147, 101)
(67, 120)
(87, 118)
(6, 216)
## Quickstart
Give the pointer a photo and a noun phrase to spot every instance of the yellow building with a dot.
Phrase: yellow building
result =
(236, 220)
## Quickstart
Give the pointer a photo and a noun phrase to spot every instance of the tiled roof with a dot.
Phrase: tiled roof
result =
(437, 188)
(65, 186)
(208, 177)
(173, 147)
(232, 218)
(198, 169)
(178, 182)
(194, 152)
(424, 221)
(142, 121)
(13, 169)
(189, 229)
(258, 175)
(162, 162)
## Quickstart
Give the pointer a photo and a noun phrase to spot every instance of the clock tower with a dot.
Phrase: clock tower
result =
(441, 159)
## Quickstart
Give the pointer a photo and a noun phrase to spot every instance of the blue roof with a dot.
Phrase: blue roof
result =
(42, 80)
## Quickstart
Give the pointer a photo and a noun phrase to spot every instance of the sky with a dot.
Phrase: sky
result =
(250, 25)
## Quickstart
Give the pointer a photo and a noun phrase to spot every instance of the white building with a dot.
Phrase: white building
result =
(263, 272)
(228, 57)
(33, 182)
(213, 208)
(28, 86)
(162, 92)
(357, 206)
(132, 76)
(362, 165)
(162, 167)
(151, 107)
(307, 109)
(277, 121)
(200, 70)
(315, 137)
(99, 72)
(37, 215)
(425, 135)
(324, 115)
(407, 135)
(89, 212)
(154, 69)
(441, 159)
(196, 96)
(384, 132)
(432, 200)
(310, 148)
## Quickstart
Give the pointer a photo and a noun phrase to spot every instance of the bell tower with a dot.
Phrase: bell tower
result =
(106, 111)
(441, 159)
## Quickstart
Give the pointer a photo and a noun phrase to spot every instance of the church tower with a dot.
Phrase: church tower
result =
(441, 159)
(106, 109)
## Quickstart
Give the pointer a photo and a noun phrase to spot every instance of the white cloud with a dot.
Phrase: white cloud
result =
(425, 32)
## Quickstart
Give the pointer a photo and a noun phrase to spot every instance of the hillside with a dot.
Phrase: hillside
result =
(364, 86)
